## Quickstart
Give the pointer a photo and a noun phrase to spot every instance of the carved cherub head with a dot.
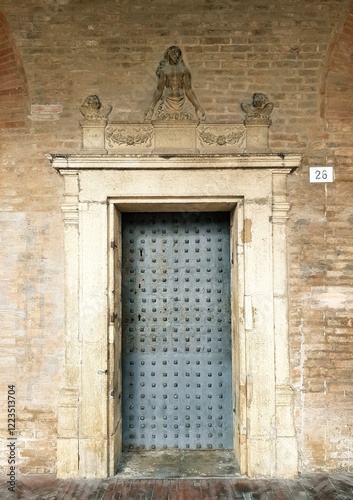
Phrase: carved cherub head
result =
(259, 100)
(259, 110)
(92, 108)
(92, 101)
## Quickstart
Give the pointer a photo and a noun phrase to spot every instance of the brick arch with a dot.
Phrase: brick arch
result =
(337, 85)
(13, 85)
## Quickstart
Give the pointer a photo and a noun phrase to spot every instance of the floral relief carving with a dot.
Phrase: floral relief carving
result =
(120, 137)
(228, 137)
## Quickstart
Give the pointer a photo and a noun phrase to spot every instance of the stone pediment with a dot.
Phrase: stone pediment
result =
(179, 137)
(184, 136)
(170, 124)
(175, 161)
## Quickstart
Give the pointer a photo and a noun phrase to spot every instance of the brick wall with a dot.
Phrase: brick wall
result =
(13, 88)
(322, 272)
(299, 53)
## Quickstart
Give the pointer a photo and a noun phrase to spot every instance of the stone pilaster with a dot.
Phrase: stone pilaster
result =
(286, 446)
(68, 444)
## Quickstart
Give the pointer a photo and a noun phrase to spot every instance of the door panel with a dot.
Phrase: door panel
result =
(176, 340)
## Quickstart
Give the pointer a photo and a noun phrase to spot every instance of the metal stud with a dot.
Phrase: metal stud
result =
(168, 326)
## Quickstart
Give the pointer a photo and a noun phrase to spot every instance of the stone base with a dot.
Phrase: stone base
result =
(175, 137)
(93, 137)
(257, 138)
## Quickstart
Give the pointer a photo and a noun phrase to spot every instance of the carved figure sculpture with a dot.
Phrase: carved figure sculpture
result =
(258, 111)
(93, 110)
(174, 83)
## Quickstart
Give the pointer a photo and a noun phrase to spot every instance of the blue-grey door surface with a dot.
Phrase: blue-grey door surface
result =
(176, 342)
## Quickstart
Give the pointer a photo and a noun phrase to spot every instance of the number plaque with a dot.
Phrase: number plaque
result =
(321, 174)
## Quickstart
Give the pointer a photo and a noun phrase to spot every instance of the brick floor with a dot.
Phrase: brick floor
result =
(308, 487)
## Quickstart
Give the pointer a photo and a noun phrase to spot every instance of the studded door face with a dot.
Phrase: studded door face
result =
(176, 331)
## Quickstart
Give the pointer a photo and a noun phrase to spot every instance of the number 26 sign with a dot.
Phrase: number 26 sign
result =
(320, 174)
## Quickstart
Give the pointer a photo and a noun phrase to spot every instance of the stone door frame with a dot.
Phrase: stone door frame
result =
(253, 189)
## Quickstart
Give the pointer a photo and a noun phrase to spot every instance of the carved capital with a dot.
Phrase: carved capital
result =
(69, 396)
(280, 205)
(284, 395)
(71, 184)
(280, 211)
(71, 214)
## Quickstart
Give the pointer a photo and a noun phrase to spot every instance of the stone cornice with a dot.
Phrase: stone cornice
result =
(77, 162)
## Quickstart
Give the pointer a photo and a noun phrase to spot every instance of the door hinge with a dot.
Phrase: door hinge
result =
(113, 244)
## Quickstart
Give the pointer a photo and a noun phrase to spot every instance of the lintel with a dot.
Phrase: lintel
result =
(63, 162)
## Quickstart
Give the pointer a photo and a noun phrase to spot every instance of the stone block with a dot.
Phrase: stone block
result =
(175, 137)
(93, 137)
(286, 453)
(257, 139)
(67, 458)
(129, 138)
